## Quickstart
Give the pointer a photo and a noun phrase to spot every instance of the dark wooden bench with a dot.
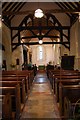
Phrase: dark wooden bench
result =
(54, 73)
(15, 98)
(71, 109)
(64, 76)
(10, 83)
(17, 78)
(25, 73)
(70, 91)
(75, 81)
(30, 74)
(5, 102)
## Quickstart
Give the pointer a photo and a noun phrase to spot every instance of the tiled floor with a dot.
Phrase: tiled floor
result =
(41, 102)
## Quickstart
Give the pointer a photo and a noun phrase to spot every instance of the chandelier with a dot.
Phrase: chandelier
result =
(38, 13)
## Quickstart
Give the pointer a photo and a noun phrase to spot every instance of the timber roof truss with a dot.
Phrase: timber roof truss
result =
(44, 28)
(39, 30)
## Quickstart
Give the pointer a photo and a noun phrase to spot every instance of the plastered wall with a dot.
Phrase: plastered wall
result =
(51, 54)
(8, 55)
(6, 41)
(75, 43)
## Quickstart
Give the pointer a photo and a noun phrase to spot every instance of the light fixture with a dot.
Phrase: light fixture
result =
(40, 41)
(38, 13)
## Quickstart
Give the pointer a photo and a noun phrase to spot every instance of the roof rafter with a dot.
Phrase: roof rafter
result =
(7, 7)
(68, 5)
(63, 9)
(17, 9)
(13, 8)
(71, 4)
(3, 5)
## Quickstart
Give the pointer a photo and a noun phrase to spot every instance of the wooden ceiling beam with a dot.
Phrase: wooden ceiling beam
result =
(14, 5)
(14, 8)
(40, 36)
(4, 4)
(7, 22)
(45, 11)
(63, 9)
(40, 27)
(78, 4)
(8, 6)
(35, 43)
(71, 4)
(70, 7)
(17, 10)
(66, 7)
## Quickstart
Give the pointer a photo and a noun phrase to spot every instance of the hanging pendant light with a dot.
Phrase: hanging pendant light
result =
(38, 13)
(40, 41)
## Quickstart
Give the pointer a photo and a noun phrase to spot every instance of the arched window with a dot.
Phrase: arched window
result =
(40, 53)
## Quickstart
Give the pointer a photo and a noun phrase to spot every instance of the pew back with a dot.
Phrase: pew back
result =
(70, 91)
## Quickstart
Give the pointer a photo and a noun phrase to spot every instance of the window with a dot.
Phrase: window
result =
(40, 53)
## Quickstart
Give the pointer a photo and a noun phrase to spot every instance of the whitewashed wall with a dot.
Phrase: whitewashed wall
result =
(51, 53)
(75, 43)
(8, 55)
(6, 41)
(64, 50)
(18, 54)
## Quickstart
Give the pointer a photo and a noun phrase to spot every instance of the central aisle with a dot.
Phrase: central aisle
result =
(40, 103)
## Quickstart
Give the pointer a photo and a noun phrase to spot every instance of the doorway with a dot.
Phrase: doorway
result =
(25, 56)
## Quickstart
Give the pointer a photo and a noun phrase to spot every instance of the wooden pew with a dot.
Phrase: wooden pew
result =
(15, 98)
(54, 73)
(5, 101)
(70, 91)
(71, 109)
(59, 72)
(64, 82)
(17, 78)
(10, 83)
(5, 106)
(30, 75)
(64, 76)
(25, 73)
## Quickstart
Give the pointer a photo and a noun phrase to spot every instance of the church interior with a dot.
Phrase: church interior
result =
(40, 60)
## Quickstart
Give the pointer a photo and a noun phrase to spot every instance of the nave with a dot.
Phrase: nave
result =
(50, 43)
(41, 102)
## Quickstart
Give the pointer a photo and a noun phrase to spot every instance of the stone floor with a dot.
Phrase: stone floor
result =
(41, 102)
